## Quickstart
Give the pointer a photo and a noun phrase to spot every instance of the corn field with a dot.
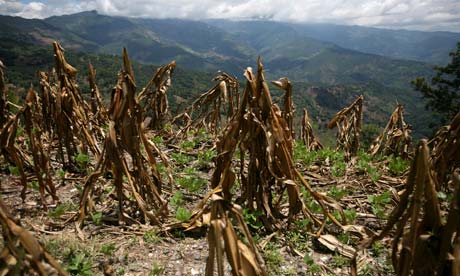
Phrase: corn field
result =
(122, 186)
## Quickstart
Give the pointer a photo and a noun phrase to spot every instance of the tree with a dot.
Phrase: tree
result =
(443, 94)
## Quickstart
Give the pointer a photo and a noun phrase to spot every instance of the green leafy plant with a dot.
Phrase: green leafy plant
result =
(339, 169)
(151, 236)
(183, 214)
(61, 173)
(61, 209)
(252, 218)
(157, 140)
(378, 203)
(205, 158)
(177, 199)
(187, 145)
(108, 249)
(34, 185)
(82, 160)
(273, 258)
(192, 183)
(301, 154)
(397, 165)
(13, 170)
(350, 215)
(157, 269)
(80, 265)
(337, 193)
(312, 266)
(97, 218)
(339, 261)
(180, 158)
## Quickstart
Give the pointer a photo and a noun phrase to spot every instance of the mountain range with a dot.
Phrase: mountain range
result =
(339, 61)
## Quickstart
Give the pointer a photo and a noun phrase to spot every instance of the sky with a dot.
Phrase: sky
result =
(427, 15)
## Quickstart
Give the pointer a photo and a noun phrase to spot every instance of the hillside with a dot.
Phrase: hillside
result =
(430, 47)
(222, 45)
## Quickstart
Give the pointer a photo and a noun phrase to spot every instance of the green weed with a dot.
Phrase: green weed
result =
(337, 193)
(180, 158)
(157, 269)
(183, 214)
(108, 249)
(378, 203)
(13, 170)
(192, 183)
(339, 169)
(177, 199)
(97, 218)
(397, 165)
(251, 217)
(151, 237)
(273, 259)
(80, 265)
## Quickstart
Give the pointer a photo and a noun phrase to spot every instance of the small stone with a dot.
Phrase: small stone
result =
(195, 271)
(121, 258)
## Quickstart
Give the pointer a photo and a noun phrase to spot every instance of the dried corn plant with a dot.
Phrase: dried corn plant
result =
(8, 131)
(154, 95)
(11, 152)
(424, 238)
(243, 258)
(288, 106)
(445, 156)
(22, 254)
(395, 138)
(98, 110)
(258, 129)
(39, 146)
(3, 97)
(348, 123)
(306, 134)
(63, 102)
(125, 136)
(223, 98)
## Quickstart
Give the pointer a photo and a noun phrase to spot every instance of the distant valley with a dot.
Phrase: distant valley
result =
(340, 61)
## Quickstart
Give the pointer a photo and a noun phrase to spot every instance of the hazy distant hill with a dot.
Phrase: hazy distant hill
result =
(287, 50)
(430, 47)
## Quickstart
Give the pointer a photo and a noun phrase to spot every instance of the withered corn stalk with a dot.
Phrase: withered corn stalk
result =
(154, 95)
(288, 106)
(21, 253)
(98, 110)
(8, 130)
(39, 146)
(243, 258)
(260, 131)
(445, 157)
(395, 138)
(306, 134)
(424, 238)
(223, 98)
(63, 102)
(11, 152)
(348, 123)
(125, 136)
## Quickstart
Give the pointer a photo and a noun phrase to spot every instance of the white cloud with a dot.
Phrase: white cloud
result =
(410, 14)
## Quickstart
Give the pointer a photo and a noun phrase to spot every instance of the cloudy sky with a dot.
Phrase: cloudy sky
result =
(401, 14)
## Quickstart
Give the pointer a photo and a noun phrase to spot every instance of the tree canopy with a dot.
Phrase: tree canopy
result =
(443, 94)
